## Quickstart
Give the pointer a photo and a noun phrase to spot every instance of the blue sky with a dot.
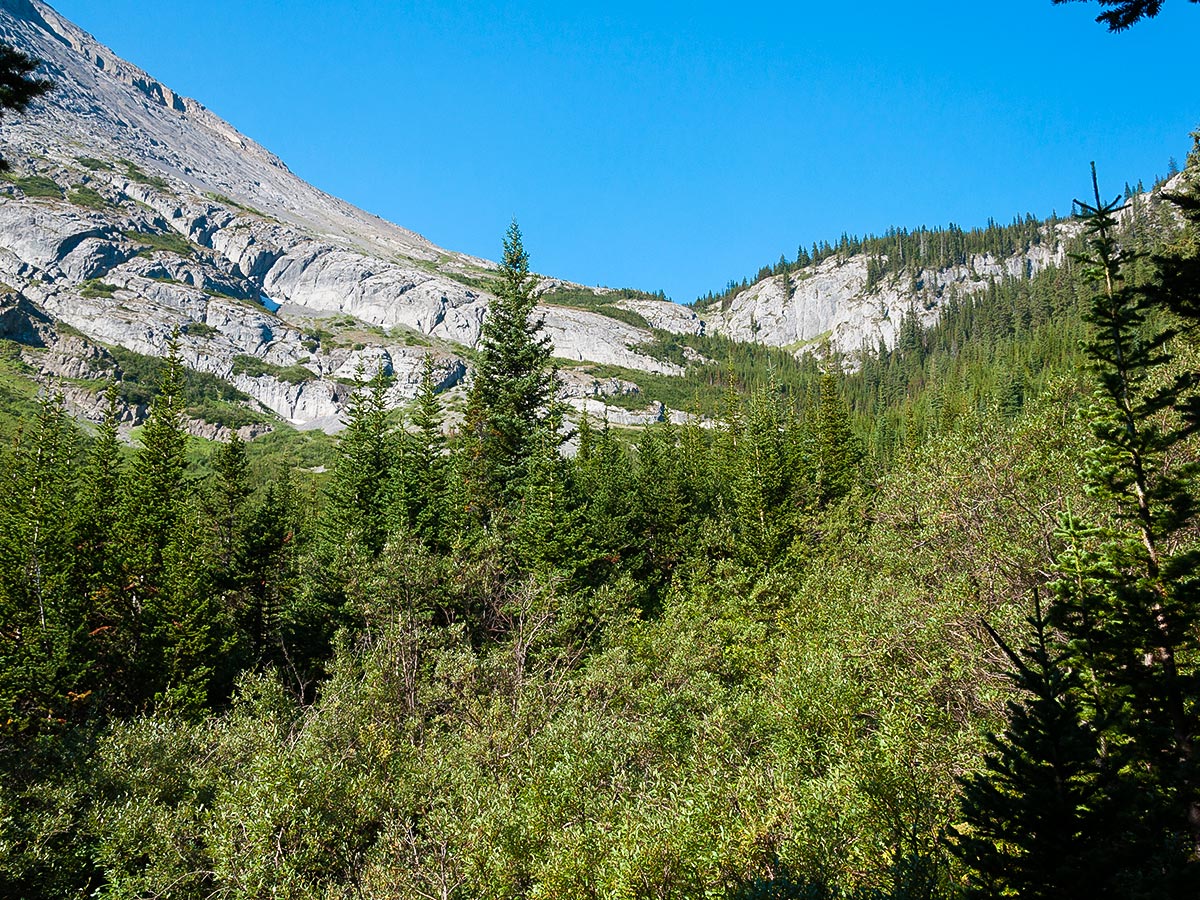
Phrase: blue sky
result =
(676, 146)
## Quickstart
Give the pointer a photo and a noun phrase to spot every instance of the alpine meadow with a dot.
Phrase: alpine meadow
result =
(335, 564)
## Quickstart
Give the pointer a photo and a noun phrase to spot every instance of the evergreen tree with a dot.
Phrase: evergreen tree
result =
(153, 488)
(360, 499)
(785, 277)
(141, 630)
(1134, 622)
(1124, 13)
(1128, 609)
(1030, 816)
(45, 666)
(513, 386)
(253, 551)
(761, 480)
(665, 506)
(356, 520)
(548, 536)
(424, 465)
(839, 452)
(100, 490)
(603, 471)
(17, 88)
(99, 573)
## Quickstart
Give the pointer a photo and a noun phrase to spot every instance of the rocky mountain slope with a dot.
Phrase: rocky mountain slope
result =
(132, 213)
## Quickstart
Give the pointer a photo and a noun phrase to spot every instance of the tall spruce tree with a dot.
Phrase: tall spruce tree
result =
(422, 480)
(98, 569)
(762, 479)
(153, 490)
(152, 500)
(252, 535)
(1031, 823)
(839, 451)
(44, 662)
(1127, 610)
(356, 521)
(1134, 621)
(361, 493)
(513, 386)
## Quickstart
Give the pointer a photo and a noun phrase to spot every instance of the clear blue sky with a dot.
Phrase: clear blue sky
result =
(675, 146)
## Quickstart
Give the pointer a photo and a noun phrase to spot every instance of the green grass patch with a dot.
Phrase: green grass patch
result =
(134, 173)
(89, 198)
(604, 304)
(229, 201)
(18, 391)
(93, 164)
(94, 287)
(199, 329)
(411, 338)
(224, 295)
(479, 280)
(167, 243)
(244, 364)
(34, 185)
(293, 450)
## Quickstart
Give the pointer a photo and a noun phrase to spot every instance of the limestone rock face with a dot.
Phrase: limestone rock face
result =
(831, 301)
(586, 336)
(666, 315)
(165, 219)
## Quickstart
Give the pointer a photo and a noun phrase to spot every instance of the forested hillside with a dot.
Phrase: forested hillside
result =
(789, 655)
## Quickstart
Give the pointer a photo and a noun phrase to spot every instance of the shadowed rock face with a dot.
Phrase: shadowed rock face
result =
(134, 211)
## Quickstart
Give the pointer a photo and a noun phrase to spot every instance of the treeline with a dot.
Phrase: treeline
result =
(986, 353)
(904, 251)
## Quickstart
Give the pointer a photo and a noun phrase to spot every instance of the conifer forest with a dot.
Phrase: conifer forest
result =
(919, 625)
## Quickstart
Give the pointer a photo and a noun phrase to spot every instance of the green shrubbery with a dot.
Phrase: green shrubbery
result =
(94, 288)
(255, 367)
(89, 198)
(169, 242)
(34, 185)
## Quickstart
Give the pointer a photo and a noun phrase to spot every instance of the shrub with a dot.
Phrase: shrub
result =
(93, 288)
(134, 173)
(35, 185)
(82, 195)
(245, 364)
(199, 329)
(169, 243)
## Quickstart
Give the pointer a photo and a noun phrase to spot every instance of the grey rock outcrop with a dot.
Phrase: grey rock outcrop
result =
(832, 301)
(170, 219)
